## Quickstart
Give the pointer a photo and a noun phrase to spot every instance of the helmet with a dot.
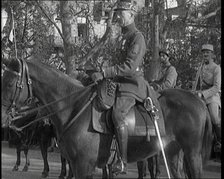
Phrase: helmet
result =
(164, 51)
(207, 47)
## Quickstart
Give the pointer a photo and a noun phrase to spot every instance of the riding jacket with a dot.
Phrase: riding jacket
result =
(167, 77)
(126, 70)
(210, 82)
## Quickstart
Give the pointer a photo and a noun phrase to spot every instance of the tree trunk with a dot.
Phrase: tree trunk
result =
(155, 40)
(66, 19)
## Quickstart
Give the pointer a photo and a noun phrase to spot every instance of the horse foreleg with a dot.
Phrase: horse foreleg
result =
(70, 174)
(43, 147)
(18, 152)
(104, 172)
(193, 162)
(157, 159)
(63, 168)
(25, 169)
(141, 169)
(107, 172)
(152, 166)
(82, 168)
(174, 160)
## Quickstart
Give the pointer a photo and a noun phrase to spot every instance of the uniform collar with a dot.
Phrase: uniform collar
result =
(129, 28)
(166, 64)
(209, 64)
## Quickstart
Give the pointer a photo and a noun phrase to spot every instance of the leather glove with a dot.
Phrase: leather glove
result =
(97, 76)
(155, 86)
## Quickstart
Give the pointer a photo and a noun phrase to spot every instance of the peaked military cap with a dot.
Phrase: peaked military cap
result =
(207, 47)
(127, 5)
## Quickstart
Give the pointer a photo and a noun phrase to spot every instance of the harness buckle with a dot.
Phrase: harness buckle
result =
(19, 85)
(29, 82)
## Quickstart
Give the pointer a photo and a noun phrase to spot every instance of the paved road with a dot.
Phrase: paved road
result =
(211, 171)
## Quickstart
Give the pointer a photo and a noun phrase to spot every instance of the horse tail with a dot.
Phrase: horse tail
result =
(207, 139)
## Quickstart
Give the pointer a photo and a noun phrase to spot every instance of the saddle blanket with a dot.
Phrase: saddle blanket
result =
(138, 120)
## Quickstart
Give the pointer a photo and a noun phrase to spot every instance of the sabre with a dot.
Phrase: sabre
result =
(151, 109)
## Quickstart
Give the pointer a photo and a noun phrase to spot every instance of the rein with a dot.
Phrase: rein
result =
(25, 73)
(50, 114)
(43, 107)
(68, 125)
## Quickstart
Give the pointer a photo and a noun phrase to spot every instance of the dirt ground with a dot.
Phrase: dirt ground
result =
(211, 171)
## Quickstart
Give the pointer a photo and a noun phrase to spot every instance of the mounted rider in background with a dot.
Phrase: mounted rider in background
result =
(208, 86)
(167, 77)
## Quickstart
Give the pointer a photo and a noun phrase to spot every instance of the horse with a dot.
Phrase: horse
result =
(150, 73)
(43, 132)
(186, 123)
(22, 140)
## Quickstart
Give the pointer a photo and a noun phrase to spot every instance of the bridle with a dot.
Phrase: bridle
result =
(22, 76)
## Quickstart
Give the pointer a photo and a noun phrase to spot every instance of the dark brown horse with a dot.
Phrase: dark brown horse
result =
(41, 131)
(184, 114)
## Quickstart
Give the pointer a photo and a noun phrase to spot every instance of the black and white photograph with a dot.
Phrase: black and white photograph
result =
(111, 89)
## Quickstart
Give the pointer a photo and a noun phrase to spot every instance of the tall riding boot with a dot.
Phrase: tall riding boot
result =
(217, 129)
(122, 137)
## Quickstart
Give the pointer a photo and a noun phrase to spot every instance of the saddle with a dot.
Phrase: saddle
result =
(138, 119)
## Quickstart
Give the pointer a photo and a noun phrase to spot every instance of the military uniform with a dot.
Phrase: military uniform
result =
(127, 70)
(131, 84)
(210, 83)
(167, 77)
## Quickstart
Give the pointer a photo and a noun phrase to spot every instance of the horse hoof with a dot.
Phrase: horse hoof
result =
(69, 177)
(44, 175)
(15, 168)
(25, 169)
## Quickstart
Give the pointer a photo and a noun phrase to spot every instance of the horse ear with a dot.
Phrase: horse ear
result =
(14, 64)
(5, 61)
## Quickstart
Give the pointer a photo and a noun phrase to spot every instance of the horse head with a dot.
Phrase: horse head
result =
(15, 92)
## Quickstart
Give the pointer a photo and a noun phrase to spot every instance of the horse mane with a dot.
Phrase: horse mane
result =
(61, 78)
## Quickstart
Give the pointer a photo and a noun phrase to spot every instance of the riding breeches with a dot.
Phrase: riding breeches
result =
(213, 109)
(121, 107)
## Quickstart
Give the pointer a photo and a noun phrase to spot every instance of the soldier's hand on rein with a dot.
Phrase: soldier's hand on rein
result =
(97, 76)
(154, 85)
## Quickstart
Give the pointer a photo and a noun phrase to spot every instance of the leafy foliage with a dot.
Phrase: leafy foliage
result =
(183, 40)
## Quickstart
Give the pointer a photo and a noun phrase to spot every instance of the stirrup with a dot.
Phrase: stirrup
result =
(119, 168)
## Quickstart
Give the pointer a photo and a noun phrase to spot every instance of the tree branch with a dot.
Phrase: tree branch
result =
(46, 15)
(211, 14)
(102, 41)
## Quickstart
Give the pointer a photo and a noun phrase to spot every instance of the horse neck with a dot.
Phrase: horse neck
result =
(50, 86)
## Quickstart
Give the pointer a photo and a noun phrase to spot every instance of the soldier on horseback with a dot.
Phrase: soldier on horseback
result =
(126, 72)
(208, 84)
(167, 77)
